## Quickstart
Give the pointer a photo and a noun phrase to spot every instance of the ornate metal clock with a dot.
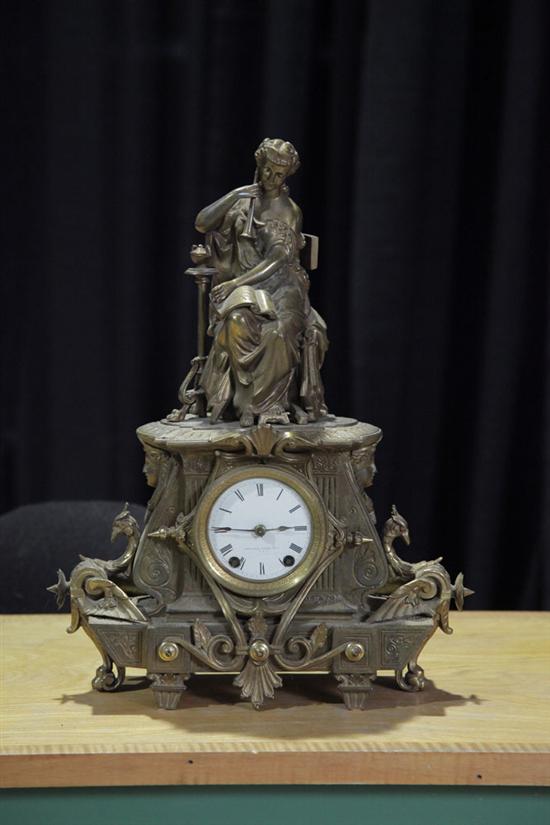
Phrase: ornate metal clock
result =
(259, 554)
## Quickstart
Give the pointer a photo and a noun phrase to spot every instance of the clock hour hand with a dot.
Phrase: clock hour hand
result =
(284, 527)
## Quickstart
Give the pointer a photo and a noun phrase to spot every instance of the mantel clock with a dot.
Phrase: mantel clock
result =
(259, 554)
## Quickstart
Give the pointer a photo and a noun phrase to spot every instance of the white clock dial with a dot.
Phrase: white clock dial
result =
(259, 529)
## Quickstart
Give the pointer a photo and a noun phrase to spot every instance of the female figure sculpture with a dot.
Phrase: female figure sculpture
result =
(269, 343)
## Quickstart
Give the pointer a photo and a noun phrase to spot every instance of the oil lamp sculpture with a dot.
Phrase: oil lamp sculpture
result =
(259, 554)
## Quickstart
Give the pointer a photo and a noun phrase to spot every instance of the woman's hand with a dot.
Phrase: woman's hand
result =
(223, 291)
(211, 217)
(253, 190)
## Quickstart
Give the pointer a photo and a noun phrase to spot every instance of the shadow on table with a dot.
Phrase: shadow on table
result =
(305, 707)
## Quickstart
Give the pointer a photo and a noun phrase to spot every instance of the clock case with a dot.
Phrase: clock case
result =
(359, 611)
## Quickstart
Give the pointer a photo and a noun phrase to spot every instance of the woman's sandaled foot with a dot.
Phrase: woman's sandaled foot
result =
(299, 415)
(247, 419)
(177, 415)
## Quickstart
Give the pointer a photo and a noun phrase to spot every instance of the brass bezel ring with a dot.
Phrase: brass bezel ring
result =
(319, 529)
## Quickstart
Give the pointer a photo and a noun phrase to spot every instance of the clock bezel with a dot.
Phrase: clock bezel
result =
(319, 529)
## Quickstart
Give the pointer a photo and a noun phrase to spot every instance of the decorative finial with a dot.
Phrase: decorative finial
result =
(60, 589)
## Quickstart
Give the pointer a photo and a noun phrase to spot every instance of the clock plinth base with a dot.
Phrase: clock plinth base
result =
(323, 593)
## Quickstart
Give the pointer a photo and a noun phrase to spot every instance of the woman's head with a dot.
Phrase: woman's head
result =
(276, 159)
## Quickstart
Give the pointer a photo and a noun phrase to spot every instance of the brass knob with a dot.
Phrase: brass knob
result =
(354, 651)
(168, 651)
(259, 651)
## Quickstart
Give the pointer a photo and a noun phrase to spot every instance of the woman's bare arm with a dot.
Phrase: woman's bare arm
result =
(256, 275)
(264, 269)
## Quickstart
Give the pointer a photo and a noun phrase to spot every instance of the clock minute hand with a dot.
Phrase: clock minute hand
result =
(234, 529)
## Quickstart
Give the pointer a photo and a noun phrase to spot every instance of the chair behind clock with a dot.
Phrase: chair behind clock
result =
(36, 539)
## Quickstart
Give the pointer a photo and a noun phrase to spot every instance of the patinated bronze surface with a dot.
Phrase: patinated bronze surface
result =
(269, 343)
(259, 554)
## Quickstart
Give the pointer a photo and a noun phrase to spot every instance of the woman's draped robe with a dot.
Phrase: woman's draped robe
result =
(259, 364)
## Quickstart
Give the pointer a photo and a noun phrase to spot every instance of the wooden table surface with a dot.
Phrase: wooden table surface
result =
(483, 719)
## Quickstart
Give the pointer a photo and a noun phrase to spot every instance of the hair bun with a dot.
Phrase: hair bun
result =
(278, 151)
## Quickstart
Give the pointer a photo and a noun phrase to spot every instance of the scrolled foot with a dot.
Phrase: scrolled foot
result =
(412, 680)
(106, 680)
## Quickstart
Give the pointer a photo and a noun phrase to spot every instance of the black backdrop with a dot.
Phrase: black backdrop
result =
(423, 127)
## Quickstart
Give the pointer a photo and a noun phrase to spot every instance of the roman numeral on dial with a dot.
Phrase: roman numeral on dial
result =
(262, 569)
(239, 495)
(260, 489)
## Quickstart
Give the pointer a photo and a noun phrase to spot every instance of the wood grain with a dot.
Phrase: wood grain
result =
(484, 720)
